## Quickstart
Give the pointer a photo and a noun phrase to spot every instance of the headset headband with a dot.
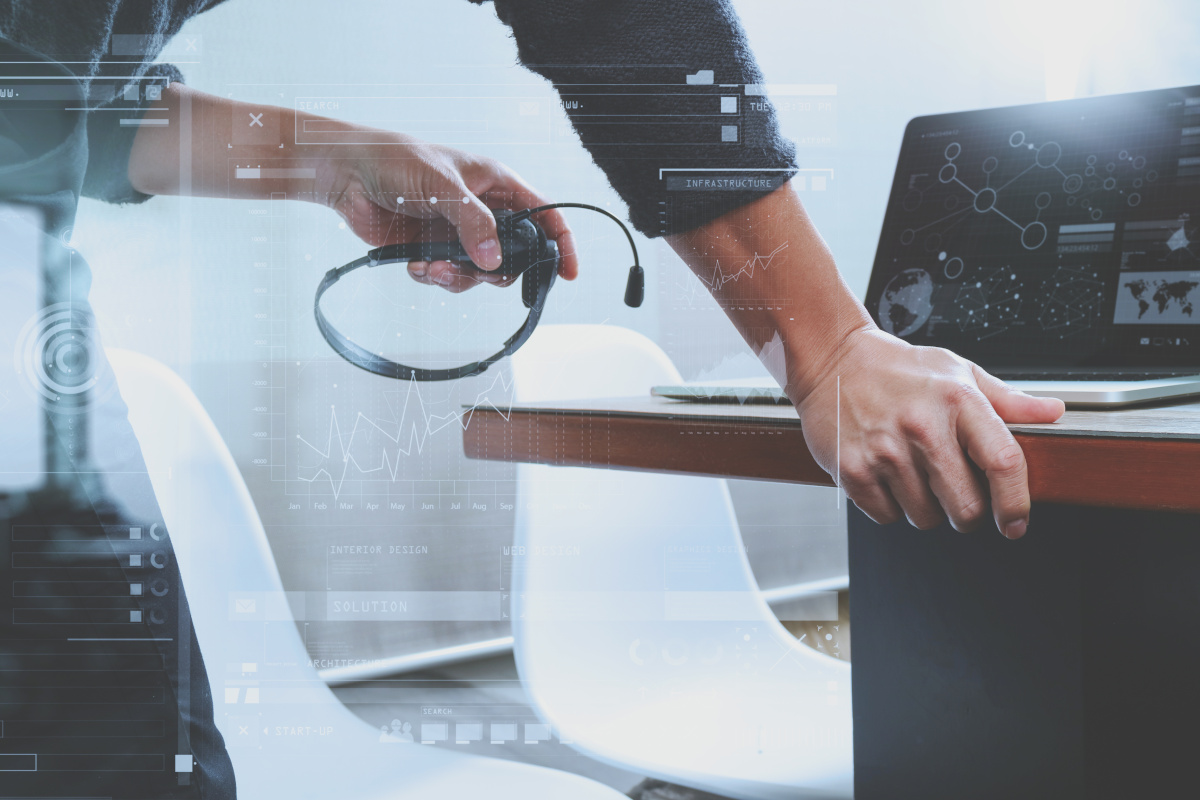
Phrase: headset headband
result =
(527, 252)
(537, 279)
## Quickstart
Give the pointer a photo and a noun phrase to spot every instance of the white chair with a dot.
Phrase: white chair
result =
(639, 629)
(288, 735)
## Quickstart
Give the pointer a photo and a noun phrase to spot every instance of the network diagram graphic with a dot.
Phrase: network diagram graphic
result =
(1126, 177)
(1103, 185)
(990, 304)
(1072, 301)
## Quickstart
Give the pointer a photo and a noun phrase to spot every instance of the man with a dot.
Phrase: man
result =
(917, 425)
(903, 429)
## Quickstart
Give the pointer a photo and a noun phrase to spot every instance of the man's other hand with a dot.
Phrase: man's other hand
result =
(919, 432)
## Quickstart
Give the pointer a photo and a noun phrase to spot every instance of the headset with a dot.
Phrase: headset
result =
(527, 252)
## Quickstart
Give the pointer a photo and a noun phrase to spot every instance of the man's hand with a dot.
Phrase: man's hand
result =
(919, 432)
(905, 430)
(446, 192)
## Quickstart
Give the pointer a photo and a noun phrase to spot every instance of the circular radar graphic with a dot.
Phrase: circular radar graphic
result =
(907, 302)
(989, 304)
(59, 356)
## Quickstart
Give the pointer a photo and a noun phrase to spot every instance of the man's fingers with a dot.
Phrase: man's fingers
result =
(989, 444)
(1016, 406)
(874, 500)
(477, 231)
(515, 195)
(419, 272)
(403, 229)
(555, 225)
(454, 278)
(911, 491)
(955, 485)
(993, 448)
(443, 273)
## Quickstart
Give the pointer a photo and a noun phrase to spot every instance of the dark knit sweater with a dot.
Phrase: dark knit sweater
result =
(632, 57)
(621, 66)
(79, 33)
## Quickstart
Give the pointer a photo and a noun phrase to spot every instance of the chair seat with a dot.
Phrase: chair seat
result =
(287, 733)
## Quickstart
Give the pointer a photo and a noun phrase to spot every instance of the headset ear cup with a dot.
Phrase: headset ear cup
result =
(520, 241)
(539, 279)
(529, 287)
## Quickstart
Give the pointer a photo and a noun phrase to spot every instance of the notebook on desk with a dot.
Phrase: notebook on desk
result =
(1057, 245)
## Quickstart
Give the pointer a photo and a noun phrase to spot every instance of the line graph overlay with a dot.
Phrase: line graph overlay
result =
(413, 427)
(691, 293)
(759, 262)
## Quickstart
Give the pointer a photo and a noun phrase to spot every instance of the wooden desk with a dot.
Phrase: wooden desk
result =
(1146, 458)
(1063, 665)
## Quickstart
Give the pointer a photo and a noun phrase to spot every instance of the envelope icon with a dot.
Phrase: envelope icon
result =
(245, 605)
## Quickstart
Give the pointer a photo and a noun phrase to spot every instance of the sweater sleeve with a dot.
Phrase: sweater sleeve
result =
(652, 86)
(110, 143)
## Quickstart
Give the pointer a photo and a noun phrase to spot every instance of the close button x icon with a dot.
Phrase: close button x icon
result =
(256, 119)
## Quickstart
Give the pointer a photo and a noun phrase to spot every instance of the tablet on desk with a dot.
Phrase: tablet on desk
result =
(757, 391)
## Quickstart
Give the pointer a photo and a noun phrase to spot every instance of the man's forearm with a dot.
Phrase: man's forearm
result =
(773, 275)
(156, 161)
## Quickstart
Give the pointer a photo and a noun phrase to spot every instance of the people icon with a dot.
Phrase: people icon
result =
(399, 733)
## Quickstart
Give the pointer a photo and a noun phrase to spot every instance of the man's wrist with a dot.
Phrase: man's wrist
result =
(334, 173)
(792, 307)
(814, 349)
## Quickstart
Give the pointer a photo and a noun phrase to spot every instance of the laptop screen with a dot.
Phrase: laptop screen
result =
(1061, 234)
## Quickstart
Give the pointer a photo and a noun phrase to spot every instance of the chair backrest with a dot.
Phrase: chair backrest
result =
(288, 734)
(568, 362)
(639, 629)
(256, 660)
(218, 534)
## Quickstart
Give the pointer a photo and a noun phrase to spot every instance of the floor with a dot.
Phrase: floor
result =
(492, 686)
(492, 690)
(493, 683)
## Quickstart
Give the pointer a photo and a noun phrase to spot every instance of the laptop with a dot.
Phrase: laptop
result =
(1057, 245)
